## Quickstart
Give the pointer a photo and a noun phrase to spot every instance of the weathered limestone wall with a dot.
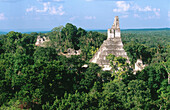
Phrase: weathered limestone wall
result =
(117, 33)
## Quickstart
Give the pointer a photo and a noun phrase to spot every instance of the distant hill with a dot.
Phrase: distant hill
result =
(147, 29)
(37, 32)
(100, 30)
(3, 33)
(27, 32)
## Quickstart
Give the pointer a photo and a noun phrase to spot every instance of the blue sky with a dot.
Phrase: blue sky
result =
(27, 15)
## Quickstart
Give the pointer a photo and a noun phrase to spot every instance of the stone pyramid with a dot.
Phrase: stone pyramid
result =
(113, 45)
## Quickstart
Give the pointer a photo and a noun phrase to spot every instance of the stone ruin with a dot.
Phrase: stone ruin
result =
(139, 66)
(41, 40)
(71, 52)
(113, 45)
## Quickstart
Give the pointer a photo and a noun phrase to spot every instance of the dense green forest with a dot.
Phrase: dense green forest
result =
(40, 78)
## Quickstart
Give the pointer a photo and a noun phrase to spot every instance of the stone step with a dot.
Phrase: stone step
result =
(115, 47)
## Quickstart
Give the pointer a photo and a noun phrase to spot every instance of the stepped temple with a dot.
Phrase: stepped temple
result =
(113, 45)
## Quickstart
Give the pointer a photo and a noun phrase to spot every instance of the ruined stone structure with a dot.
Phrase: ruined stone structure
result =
(70, 52)
(139, 66)
(114, 32)
(40, 41)
(113, 45)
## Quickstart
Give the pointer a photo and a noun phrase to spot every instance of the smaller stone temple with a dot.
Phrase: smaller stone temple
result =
(113, 45)
(139, 66)
(41, 40)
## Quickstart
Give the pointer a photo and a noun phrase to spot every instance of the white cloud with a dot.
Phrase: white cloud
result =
(30, 9)
(128, 8)
(156, 11)
(54, 11)
(100, 0)
(90, 17)
(124, 16)
(57, 0)
(89, 0)
(73, 18)
(2, 17)
(136, 16)
(50, 0)
(47, 8)
(138, 8)
(147, 8)
(40, 0)
(122, 6)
